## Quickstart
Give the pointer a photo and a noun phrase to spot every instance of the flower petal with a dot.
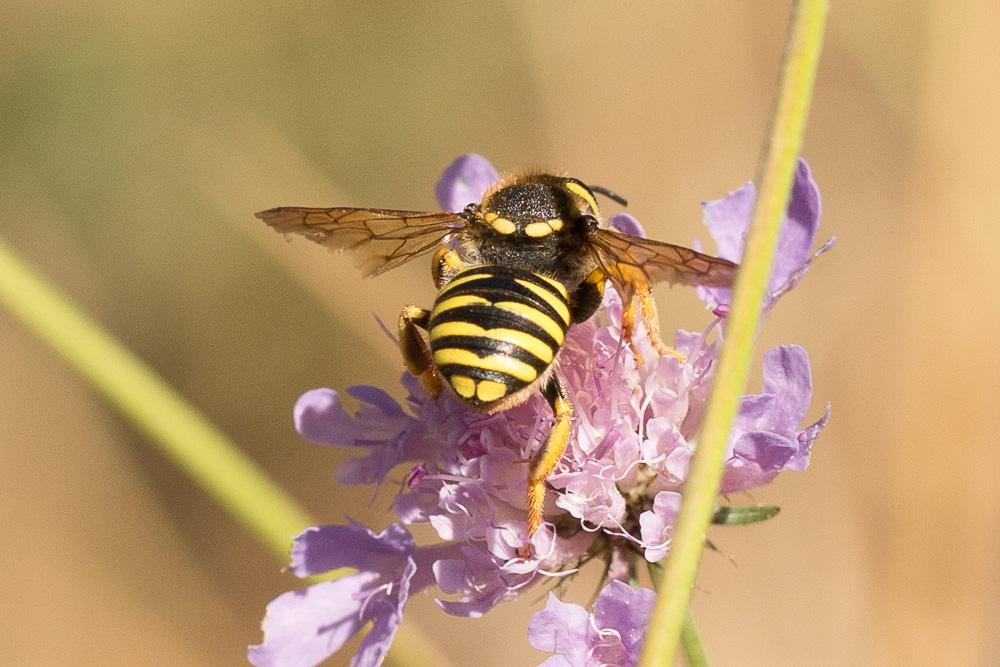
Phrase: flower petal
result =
(561, 628)
(625, 609)
(375, 645)
(799, 229)
(304, 627)
(788, 377)
(464, 182)
(320, 549)
(627, 223)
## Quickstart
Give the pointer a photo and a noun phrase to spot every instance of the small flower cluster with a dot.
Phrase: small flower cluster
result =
(617, 488)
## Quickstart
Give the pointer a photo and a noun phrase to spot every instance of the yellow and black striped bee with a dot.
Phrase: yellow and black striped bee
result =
(514, 272)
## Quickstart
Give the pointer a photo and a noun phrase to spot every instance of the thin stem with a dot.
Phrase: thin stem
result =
(702, 487)
(172, 424)
(691, 644)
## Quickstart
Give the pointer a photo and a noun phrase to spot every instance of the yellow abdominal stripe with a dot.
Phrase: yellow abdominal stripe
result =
(548, 297)
(458, 302)
(535, 316)
(490, 390)
(555, 283)
(485, 390)
(495, 362)
(466, 279)
(519, 338)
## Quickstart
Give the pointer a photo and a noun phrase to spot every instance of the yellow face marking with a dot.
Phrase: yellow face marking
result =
(583, 194)
(548, 297)
(494, 362)
(555, 283)
(503, 226)
(458, 302)
(463, 385)
(490, 390)
(556, 224)
(523, 340)
(538, 229)
(535, 316)
(463, 280)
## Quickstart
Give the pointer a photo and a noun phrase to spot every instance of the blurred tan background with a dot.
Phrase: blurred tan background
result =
(138, 139)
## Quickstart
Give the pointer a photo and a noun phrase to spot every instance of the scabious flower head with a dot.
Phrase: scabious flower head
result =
(617, 487)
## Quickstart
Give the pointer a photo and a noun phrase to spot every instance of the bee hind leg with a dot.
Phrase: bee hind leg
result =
(416, 354)
(545, 460)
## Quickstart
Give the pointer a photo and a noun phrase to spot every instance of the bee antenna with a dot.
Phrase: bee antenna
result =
(610, 194)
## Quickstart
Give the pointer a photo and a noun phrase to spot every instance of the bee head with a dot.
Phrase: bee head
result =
(537, 206)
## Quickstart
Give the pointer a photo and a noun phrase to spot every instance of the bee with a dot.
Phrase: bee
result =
(514, 273)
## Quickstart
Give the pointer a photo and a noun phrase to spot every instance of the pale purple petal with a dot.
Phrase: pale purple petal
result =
(464, 182)
(304, 627)
(729, 219)
(806, 438)
(769, 451)
(379, 425)
(320, 417)
(656, 525)
(799, 229)
(561, 628)
(627, 223)
(320, 549)
(788, 377)
(388, 616)
(625, 609)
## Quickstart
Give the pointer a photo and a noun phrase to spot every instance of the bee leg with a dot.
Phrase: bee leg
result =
(545, 460)
(416, 354)
(651, 319)
(641, 300)
(444, 264)
(586, 298)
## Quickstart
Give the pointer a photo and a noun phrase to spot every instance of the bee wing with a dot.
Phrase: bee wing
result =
(631, 261)
(381, 238)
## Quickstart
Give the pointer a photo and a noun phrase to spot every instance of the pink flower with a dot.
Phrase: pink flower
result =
(610, 635)
(616, 489)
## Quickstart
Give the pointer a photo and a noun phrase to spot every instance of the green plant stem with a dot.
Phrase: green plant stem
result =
(173, 425)
(691, 644)
(775, 179)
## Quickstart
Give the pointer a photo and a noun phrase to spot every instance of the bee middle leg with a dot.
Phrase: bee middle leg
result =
(642, 304)
(416, 354)
(546, 459)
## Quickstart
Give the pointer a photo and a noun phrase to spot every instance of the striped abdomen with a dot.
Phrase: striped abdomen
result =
(494, 330)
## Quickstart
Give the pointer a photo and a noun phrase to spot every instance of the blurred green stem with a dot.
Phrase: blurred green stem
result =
(691, 644)
(173, 425)
(774, 180)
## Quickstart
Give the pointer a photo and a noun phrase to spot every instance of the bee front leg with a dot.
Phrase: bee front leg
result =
(546, 459)
(416, 354)
(444, 265)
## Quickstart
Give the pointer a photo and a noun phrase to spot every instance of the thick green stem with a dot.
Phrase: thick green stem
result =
(783, 146)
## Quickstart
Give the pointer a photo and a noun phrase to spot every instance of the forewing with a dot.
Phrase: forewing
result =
(381, 239)
(631, 260)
